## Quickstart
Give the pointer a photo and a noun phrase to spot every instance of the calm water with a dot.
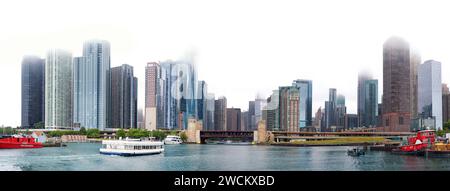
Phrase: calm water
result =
(85, 156)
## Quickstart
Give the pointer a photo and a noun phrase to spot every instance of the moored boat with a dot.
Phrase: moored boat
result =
(172, 140)
(417, 145)
(439, 150)
(19, 142)
(131, 147)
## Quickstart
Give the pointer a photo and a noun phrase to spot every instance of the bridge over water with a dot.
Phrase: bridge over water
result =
(286, 136)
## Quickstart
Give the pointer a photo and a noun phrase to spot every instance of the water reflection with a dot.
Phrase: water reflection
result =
(85, 156)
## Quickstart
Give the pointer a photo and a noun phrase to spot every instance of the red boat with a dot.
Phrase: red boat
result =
(19, 142)
(417, 144)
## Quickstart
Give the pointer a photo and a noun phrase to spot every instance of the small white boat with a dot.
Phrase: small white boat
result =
(131, 147)
(172, 140)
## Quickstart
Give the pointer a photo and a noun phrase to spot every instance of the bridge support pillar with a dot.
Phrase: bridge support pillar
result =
(260, 136)
(193, 131)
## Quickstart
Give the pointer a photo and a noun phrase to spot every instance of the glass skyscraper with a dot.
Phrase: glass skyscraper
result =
(367, 101)
(92, 86)
(430, 92)
(58, 90)
(210, 112)
(33, 91)
(330, 109)
(179, 93)
(123, 97)
(370, 103)
(201, 102)
(305, 107)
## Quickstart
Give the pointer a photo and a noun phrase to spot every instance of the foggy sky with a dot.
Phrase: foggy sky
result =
(242, 47)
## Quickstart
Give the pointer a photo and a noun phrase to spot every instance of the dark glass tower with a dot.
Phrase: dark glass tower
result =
(124, 97)
(33, 91)
(305, 102)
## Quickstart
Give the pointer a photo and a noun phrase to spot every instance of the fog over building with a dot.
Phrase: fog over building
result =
(33, 91)
(58, 90)
(91, 86)
(396, 85)
(367, 100)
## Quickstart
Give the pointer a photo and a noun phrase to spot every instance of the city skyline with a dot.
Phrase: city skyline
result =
(250, 66)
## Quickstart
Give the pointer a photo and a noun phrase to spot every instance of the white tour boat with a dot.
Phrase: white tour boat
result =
(172, 140)
(131, 147)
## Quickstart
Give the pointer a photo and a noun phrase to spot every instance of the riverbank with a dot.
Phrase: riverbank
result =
(338, 141)
(56, 144)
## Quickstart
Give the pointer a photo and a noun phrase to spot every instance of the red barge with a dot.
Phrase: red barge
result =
(19, 142)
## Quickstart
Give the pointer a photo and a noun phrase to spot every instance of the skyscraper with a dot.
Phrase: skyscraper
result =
(305, 108)
(272, 114)
(201, 99)
(289, 102)
(430, 91)
(362, 78)
(244, 120)
(340, 112)
(351, 121)
(33, 91)
(396, 85)
(415, 60)
(255, 112)
(330, 109)
(445, 89)
(251, 121)
(152, 114)
(367, 100)
(58, 90)
(179, 93)
(318, 119)
(92, 86)
(233, 119)
(220, 114)
(123, 97)
(140, 119)
(370, 103)
(210, 112)
(445, 104)
(260, 103)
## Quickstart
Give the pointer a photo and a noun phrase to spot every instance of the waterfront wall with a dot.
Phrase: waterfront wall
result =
(73, 138)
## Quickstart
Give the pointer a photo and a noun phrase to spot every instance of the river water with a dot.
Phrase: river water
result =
(191, 157)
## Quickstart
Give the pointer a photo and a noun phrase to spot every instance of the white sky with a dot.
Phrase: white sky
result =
(243, 47)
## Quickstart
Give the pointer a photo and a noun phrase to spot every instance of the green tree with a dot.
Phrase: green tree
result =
(83, 131)
(160, 135)
(7, 131)
(183, 136)
(137, 133)
(446, 125)
(121, 133)
(93, 133)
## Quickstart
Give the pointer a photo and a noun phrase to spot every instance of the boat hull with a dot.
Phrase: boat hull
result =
(130, 153)
(171, 143)
(412, 153)
(9, 145)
